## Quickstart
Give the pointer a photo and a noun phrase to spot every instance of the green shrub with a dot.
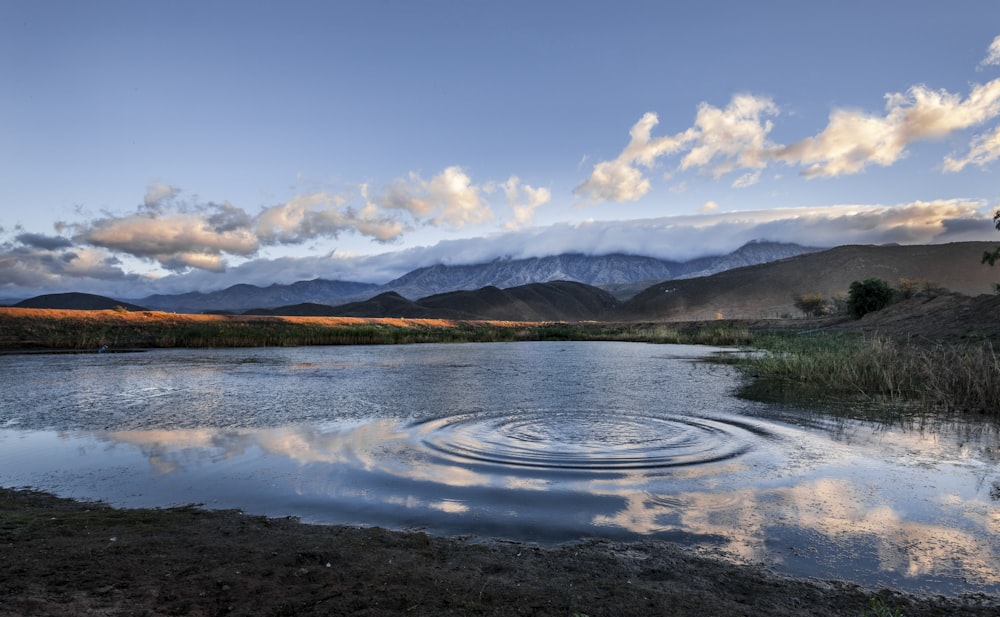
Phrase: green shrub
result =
(868, 296)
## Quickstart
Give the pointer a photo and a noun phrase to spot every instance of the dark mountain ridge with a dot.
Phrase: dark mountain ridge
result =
(552, 301)
(243, 296)
(625, 275)
(76, 301)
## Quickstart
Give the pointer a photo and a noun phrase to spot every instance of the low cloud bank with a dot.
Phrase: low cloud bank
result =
(31, 264)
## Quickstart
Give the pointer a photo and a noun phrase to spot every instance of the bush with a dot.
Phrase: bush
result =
(814, 305)
(868, 296)
(911, 288)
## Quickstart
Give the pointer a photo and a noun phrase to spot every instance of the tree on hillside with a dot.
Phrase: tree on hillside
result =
(991, 257)
(910, 288)
(814, 305)
(868, 296)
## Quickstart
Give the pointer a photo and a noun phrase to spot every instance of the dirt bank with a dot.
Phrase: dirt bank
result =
(59, 557)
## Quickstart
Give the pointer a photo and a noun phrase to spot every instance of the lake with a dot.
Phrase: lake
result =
(541, 442)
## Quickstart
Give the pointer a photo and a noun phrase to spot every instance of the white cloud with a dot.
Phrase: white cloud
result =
(158, 193)
(620, 180)
(322, 215)
(28, 270)
(523, 199)
(720, 142)
(708, 206)
(983, 150)
(172, 238)
(732, 138)
(456, 201)
(682, 238)
(992, 54)
(853, 139)
(449, 199)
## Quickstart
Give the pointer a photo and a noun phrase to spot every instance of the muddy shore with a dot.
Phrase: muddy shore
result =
(61, 557)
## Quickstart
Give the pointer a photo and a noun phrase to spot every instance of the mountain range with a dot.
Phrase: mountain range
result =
(762, 290)
(621, 275)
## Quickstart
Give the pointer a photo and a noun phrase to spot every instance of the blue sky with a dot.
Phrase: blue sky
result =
(166, 147)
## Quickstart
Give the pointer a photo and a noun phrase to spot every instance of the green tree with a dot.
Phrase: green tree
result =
(991, 257)
(812, 304)
(868, 296)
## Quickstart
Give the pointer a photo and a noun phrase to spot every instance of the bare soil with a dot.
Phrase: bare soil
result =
(61, 557)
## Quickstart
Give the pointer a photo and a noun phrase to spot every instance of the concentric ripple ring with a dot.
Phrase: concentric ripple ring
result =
(586, 440)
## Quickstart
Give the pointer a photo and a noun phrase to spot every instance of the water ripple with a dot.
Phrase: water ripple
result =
(592, 441)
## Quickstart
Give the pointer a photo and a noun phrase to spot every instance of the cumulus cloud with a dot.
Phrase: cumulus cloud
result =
(734, 139)
(180, 236)
(448, 199)
(321, 215)
(720, 141)
(41, 241)
(620, 179)
(176, 240)
(523, 199)
(853, 139)
(26, 265)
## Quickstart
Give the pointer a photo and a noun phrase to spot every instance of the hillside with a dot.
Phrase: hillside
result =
(76, 301)
(768, 290)
(553, 301)
(242, 297)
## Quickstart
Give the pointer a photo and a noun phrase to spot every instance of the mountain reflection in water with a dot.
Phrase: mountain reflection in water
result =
(544, 442)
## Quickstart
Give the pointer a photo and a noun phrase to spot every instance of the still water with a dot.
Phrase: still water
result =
(539, 442)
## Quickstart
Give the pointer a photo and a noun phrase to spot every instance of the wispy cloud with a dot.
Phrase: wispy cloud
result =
(992, 54)
(983, 150)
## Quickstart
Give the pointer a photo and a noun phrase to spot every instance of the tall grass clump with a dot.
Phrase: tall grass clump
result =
(939, 376)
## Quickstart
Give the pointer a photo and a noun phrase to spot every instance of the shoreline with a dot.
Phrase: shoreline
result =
(62, 556)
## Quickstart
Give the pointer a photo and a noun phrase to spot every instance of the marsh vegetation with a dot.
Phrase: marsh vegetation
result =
(900, 373)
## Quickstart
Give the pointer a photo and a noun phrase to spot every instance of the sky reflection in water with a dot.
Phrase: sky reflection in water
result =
(542, 442)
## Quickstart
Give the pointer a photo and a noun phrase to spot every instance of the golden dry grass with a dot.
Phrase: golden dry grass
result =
(152, 317)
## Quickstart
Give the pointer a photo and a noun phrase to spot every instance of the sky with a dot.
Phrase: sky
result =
(166, 147)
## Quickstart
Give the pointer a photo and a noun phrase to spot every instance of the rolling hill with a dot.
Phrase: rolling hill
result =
(553, 301)
(76, 301)
(768, 290)
(760, 291)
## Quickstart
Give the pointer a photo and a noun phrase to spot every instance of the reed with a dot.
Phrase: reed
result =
(937, 376)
